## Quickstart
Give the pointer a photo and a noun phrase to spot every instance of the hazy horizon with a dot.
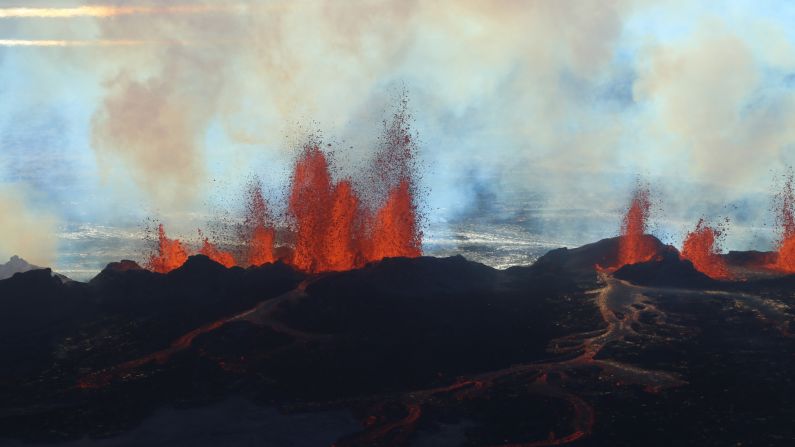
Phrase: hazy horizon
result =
(535, 119)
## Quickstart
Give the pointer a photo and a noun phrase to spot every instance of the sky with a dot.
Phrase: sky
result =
(112, 113)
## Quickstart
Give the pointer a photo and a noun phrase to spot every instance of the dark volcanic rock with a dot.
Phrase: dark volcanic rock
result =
(125, 311)
(35, 308)
(582, 262)
(18, 265)
(751, 258)
(393, 325)
(409, 322)
(667, 271)
(123, 266)
(423, 351)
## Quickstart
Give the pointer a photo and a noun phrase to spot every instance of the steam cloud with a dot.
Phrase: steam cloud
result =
(569, 99)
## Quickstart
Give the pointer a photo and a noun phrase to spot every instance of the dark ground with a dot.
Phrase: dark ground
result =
(422, 352)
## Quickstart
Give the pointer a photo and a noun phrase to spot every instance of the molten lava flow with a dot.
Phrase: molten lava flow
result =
(259, 234)
(634, 246)
(785, 221)
(702, 248)
(395, 230)
(211, 251)
(170, 254)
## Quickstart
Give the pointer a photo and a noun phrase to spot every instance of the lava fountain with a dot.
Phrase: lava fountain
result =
(331, 225)
(344, 235)
(702, 247)
(258, 232)
(785, 221)
(310, 206)
(211, 251)
(170, 253)
(395, 231)
(634, 245)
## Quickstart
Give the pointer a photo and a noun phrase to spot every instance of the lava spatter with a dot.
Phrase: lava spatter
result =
(634, 246)
(222, 257)
(258, 233)
(702, 247)
(169, 254)
(332, 223)
(785, 223)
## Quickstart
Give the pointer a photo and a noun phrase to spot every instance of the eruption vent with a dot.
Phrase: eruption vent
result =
(634, 246)
(785, 221)
(702, 247)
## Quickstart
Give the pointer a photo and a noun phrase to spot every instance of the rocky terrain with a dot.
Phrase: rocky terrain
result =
(422, 352)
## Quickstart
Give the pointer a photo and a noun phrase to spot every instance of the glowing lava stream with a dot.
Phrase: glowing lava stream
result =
(104, 377)
(617, 302)
(261, 314)
(620, 304)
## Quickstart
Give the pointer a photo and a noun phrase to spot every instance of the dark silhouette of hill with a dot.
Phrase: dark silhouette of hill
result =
(18, 265)
(669, 270)
(135, 310)
(437, 316)
(583, 262)
(750, 258)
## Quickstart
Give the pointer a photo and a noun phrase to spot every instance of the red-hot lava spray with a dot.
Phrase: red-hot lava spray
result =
(344, 236)
(634, 246)
(395, 227)
(310, 206)
(785, 221)
(332, 226)
(395, 231)
(258, 232)
(211, 251)
(170, 253)
(702, 247)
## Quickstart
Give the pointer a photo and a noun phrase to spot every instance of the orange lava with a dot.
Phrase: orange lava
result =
(785, 221)
(310, 207)
(634, 246)
(343, 237)
(170, 253)
(334, 232)
(259, 234)
(395, 230)
(702, 248)
(222, 257)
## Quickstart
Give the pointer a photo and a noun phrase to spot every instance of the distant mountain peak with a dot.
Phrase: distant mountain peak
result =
(15, 265)
(18, 265)
(123, 266)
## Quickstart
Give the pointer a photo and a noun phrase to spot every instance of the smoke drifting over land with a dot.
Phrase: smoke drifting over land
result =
(565, 101)
(539, 84)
